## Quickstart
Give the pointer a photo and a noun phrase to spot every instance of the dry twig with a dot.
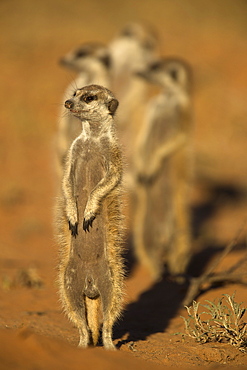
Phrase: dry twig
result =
(225, 322)
(209, 277)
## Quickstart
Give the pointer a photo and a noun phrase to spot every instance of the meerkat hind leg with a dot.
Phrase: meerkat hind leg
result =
(107, 333)
(79, 319)
(108, 321)
(180, 254)
(84, 337)
(75, 309)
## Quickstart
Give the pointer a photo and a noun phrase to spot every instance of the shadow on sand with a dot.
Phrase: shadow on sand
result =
(155, 307)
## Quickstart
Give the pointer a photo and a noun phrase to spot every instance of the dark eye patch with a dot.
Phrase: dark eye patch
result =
(89, 98)
(81, 54)
(155, 66)
(74, 93)
(127, 32)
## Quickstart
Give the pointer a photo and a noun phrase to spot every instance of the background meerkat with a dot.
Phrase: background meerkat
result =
(92, 63)
(89, 219)
(131, 49)
(162, 231)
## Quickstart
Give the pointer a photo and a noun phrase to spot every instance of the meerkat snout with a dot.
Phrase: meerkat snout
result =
(62, 62)
(68, 104)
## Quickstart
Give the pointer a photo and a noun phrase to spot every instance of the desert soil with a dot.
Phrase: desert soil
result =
(34, 333)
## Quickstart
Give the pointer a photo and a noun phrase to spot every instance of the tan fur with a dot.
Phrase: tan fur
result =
(162, 233)
(93, 314)
(91, 263)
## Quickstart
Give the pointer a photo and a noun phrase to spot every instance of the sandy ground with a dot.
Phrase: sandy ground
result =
(34, 333)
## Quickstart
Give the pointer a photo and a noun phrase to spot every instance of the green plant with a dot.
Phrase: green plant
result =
(224, 324)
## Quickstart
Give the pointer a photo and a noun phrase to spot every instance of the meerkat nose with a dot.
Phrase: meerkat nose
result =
(68, 104)
(62, 62)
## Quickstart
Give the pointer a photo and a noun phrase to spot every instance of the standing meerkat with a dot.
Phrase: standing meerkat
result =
(131, 49)
(162, 231)
(92, 63)
(89, 219)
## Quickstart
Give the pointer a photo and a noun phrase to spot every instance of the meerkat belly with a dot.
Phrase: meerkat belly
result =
(160, 193)
(88, 264)
(158, 210)
(90, 245)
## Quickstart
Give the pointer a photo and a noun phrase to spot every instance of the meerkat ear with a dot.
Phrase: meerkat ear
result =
(112, 106)
(106, 60)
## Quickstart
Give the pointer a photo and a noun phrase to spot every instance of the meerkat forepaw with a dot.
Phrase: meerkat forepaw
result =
(90, 214)
(73, 228)
(88, 223)
(144, 179)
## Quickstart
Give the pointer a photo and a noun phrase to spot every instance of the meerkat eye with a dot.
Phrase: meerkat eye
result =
(74, 93)
(155, 66)
(127, 32)
(89, 98)
(81, 54)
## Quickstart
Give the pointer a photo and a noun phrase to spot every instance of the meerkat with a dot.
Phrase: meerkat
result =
(89, 219)
(162, 232)
(92, 63)
(131, 49)
(134, 43)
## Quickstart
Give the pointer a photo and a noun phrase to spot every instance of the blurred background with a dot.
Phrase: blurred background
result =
(34, 35)
(211, 36)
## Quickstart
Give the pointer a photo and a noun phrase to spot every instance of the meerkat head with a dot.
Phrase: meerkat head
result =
(167, 72)
(134, 46)
(92, 103)
(83, 57)
(144, 34)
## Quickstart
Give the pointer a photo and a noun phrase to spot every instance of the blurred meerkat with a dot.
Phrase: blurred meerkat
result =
(92, 63)
(89, 219)
(131, 49)
(162, 231)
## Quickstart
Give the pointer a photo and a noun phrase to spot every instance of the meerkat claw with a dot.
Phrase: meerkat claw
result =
(144, 179)
(88, 223)
(73, 229)
(85, 225)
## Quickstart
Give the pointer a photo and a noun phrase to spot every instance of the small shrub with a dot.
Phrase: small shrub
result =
(224, 324)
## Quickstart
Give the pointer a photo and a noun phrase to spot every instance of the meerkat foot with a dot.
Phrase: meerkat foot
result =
(73, 229)
(83, 343)
(108, 344)
(84, 338)
(88, 223)
(107, 337)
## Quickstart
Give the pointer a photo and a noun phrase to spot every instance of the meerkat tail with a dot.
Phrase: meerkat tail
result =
(93, 308)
